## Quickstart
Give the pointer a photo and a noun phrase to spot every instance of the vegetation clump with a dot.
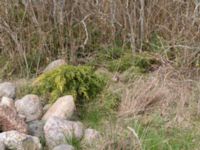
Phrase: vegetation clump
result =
(95, 113)
(80, 81)
(141, 63)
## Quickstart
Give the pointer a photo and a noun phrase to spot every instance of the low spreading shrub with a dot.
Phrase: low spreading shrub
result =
(80, 81)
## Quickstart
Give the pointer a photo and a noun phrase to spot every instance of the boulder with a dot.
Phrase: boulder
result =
(55, 64)
(7, 89)
(35, 128)
(64, 147)
(19, 141)
(9, 103)
(58, 131)
(29, 106)
(91, 135)
(46, 108)
(63, 108)
(5, 101)
(9, 119)
(2, 146)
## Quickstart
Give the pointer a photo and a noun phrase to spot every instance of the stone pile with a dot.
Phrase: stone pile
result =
(26, 123)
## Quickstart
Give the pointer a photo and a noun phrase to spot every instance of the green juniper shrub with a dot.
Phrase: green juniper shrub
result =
(80, 81)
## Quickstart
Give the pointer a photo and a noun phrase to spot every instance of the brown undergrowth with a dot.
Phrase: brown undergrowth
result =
(170, 92)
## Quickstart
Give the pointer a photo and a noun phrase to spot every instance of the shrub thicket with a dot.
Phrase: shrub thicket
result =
(35, 32)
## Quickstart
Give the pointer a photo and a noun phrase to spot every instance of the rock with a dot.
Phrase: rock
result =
(5, 101)
(58, 131)
(9, 119)
(29, 144)
(63, 108)
(7, 89)
(30, 106)
(35, 128)
(55, 64)
(64, 147)
(20, 141)
(46, 108)
(91, 135)
(2, 146)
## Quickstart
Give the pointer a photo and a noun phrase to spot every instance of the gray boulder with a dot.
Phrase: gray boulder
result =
(7, 89)
(91, 135)
(63, 108)
(9, 119)
(2, 146)
(29, 106)
(58, 131)
(46, 108)
(64, 147)
(5, 101)
(55, 64)
(19, 141)
(35, 128)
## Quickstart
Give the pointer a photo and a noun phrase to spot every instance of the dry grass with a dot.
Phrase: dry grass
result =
(116, 137)
(33, 33)
(169, 92)
(168, 100)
